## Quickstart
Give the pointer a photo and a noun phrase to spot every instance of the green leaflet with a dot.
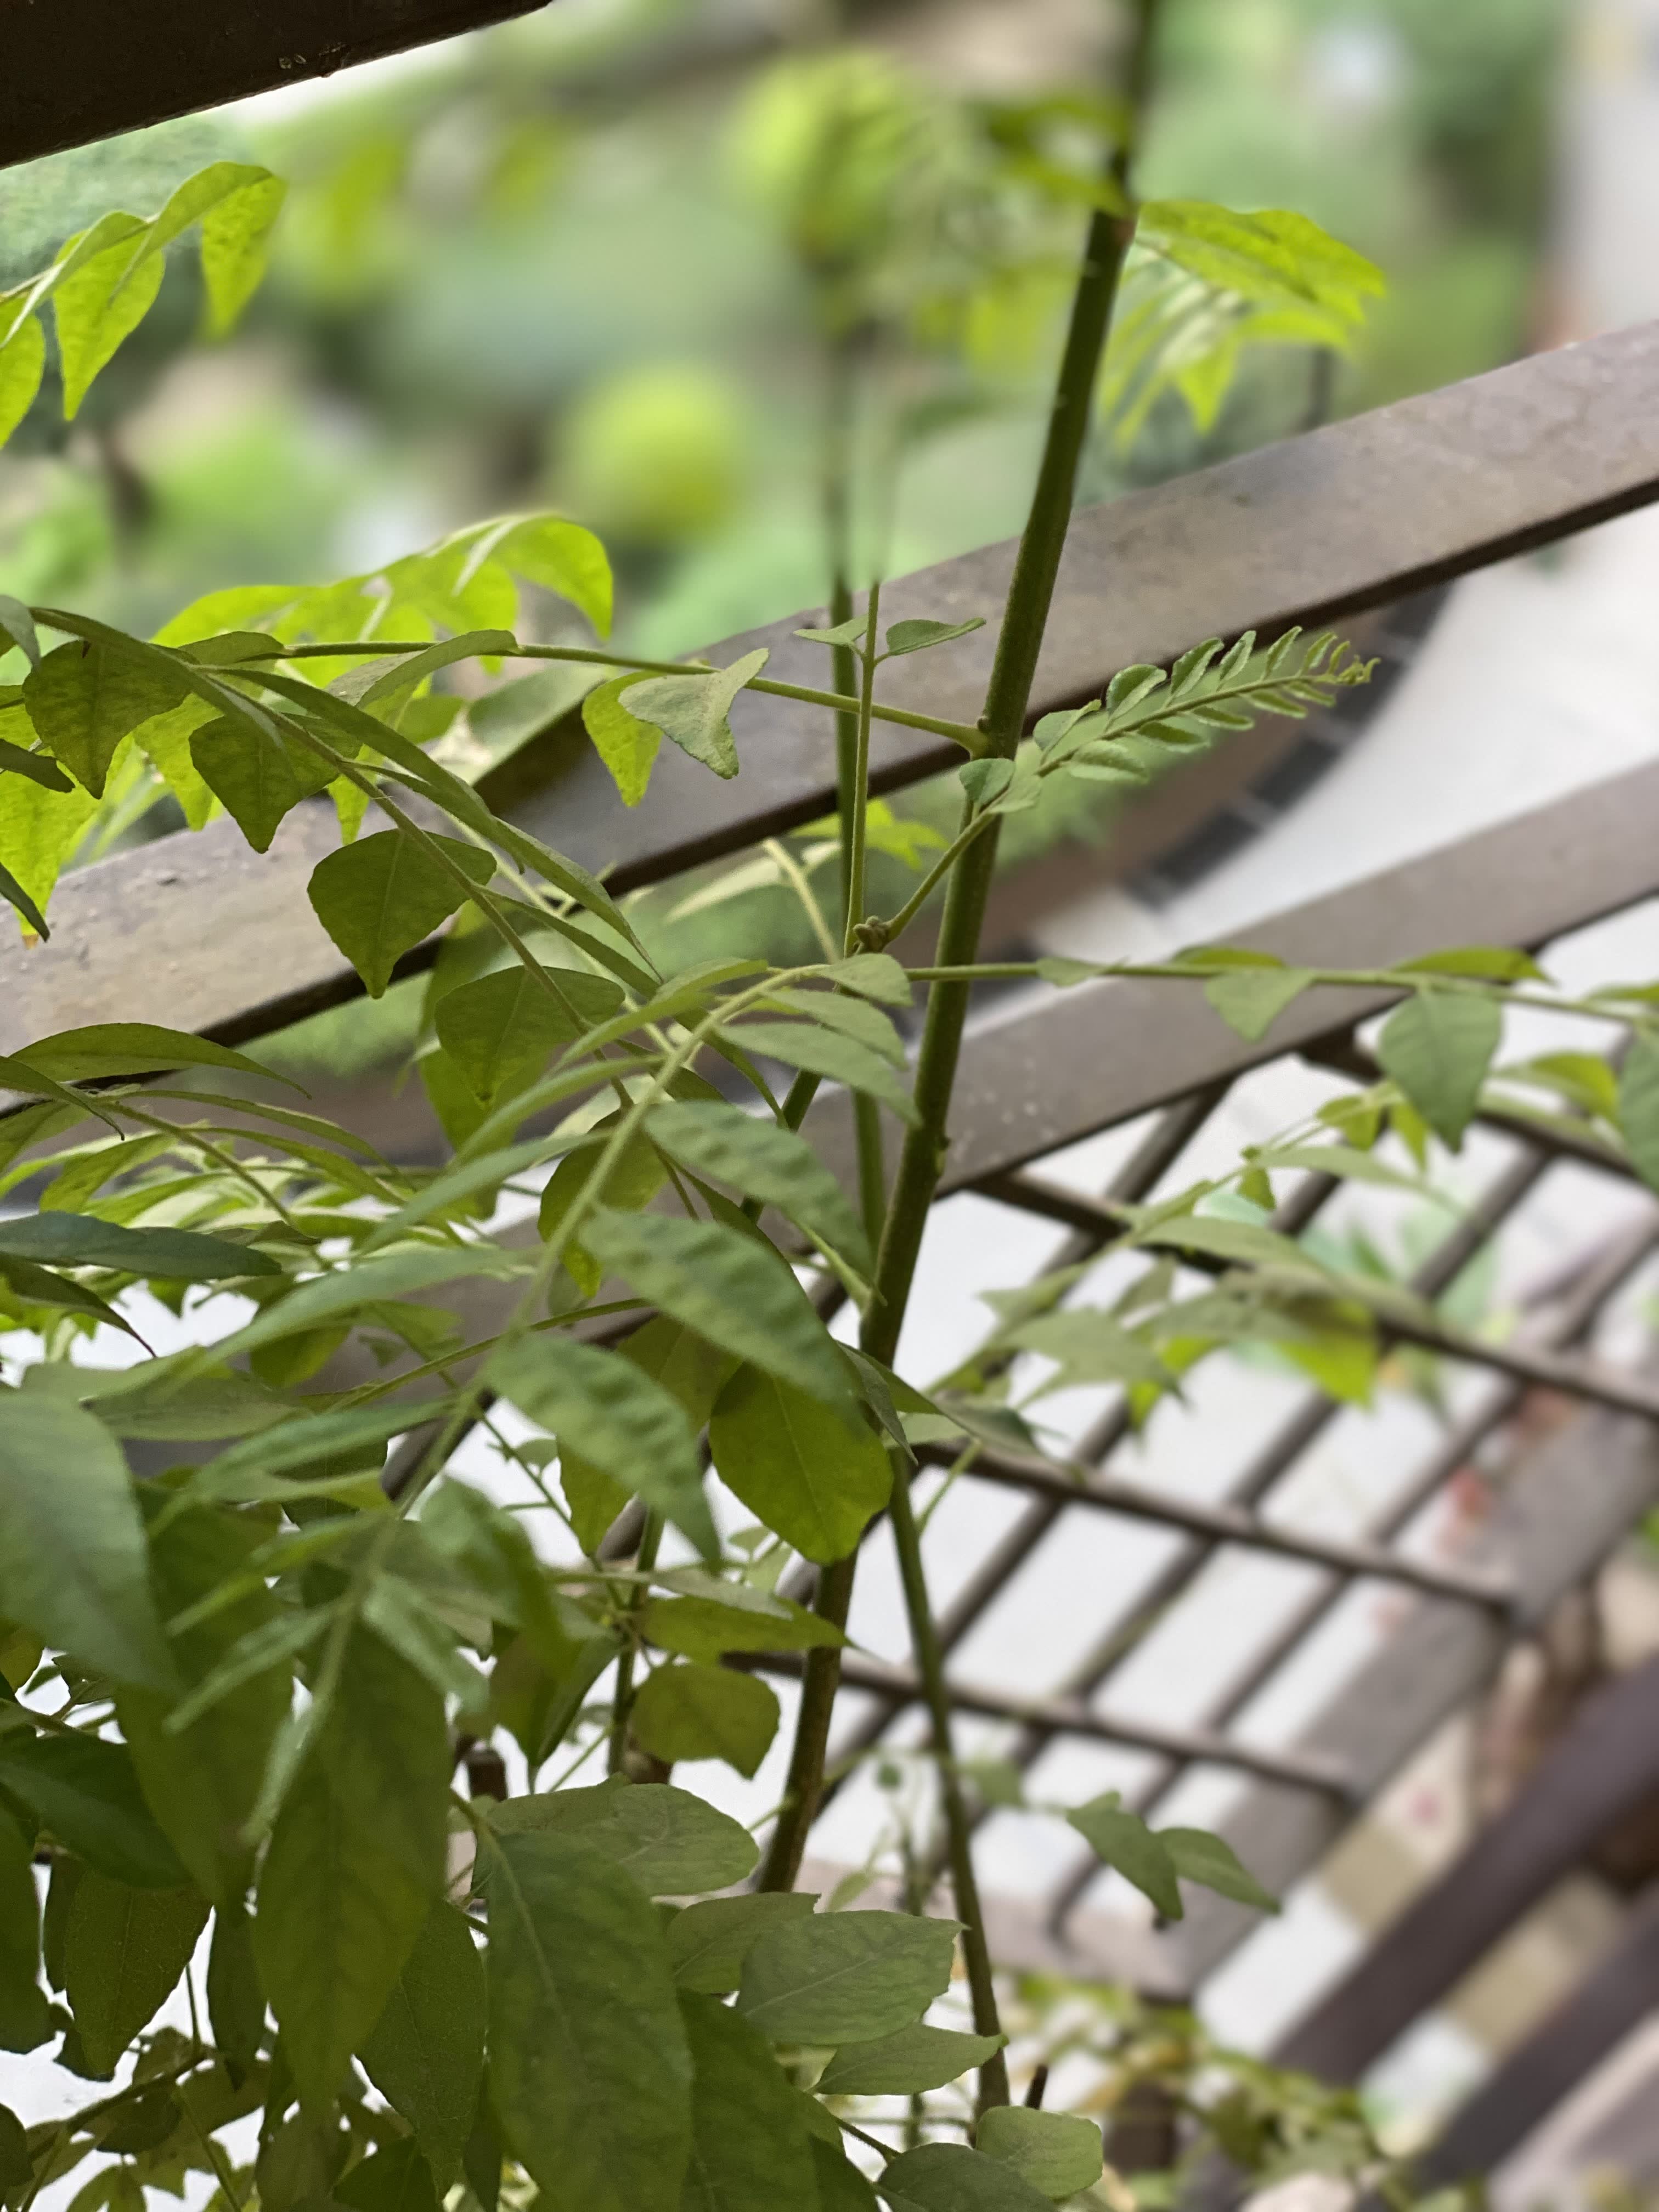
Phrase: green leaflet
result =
(841, 2187)
(616, 1418)
(397, 2178)
(1055, 2152)
(1272, 255)
(751, 2151)
(1197, 1855)
(764, 1160)
(500, 1029)
(22, 364)
(627, 747)
(109, 1049)
(73, 1565)
(825, 1052)
(39, 767)
(692, 1371)
(812, 1478)
(1251, 999)
(950, 2177)
(19, 900)
(236, 2003)
(124, 1952)
(1437, 1047)
(381, 896)
(918, 634)
(1090, 1347)
(917, 2059)
(38, 830)
(590, 2070)
(1638, 1105)
(732, 1289)
(82, 701)
(327, 1299)
(695, 1712)
(425, 2053)
(692, 709)
(708, 1942)
(668, 1841)
(257, 779)
(86, 1792)
(1122, 1839)
(703, 1628)
(845, 1977)
(852, 1016)
(201, 1782)
(355, 1864)
(631, 1181)
(25, 2020)
(79, 1240)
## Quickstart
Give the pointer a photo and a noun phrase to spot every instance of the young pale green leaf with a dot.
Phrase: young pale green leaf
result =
(201, 1782)
(918, 2058)
(355, 1865)
(236, 227)
(23, 365)
(733, 1290)
(381, 896)
(692, 709)
(18, 628)
(916, 635)
(1497, 964)
(86, 1792)
(1638, 1105)
(1122, 1839)
(24, 2020)
(627, 747)
(82, 701)
(667, 1841)
(943, 2176)
(1056, 2153)
(616, 1418)
(690, 1710)
(845, 1977)
(703, 1628)
(425, 2054)
(124, 1952)
(590, 2070)
(1244, 1243)
(1251, 999)
(108, 284)
(813, 1478)
(762, 1159)
(19, 900)
(751, 2151)
(73, 1565)
(1209, 1860)
(825, 1052)
(395, 2178)
(81, 1240)
(501, 1030)
(561, 556)
(709, 1942)
(1437, 1047)
(1090, 1346)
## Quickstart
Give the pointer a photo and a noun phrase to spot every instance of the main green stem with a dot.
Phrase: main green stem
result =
(921, 1162)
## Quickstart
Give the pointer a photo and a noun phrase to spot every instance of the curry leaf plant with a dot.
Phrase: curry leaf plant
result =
(262, 1706)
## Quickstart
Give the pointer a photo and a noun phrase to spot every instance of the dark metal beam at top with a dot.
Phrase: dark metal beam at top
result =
(73, 70)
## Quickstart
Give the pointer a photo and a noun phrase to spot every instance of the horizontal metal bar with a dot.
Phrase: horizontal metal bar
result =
(1226, 1524)
(1071, 1717)
(1313, 529)
(80, 69)
(1596, 1384)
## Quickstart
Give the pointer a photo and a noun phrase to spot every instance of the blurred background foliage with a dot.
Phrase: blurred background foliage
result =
(670, 265)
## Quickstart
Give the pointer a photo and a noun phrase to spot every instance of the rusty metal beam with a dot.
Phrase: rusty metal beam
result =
(1316, 529)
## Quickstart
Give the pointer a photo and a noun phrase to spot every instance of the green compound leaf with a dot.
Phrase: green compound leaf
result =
(382, 897)
(1057, 2154)
(124, 1952)
(81, 1240)
(82, 701)
(590, 2069)
(616, 1418)
(694, 1712)
(1123, 1840)
(500, 1029)
(1437, 1047)
(918, 2058)
(1197, 1855)
(708, 1942)
(764, 1160)
(627, 747)
(950, 2177)
(355, 1865)
(425, 2054)
(734, 1290)
(812, 1478)
(751, 2151)
(73, 1564)
(667, 1841)
(845, 1977)
(826, 1052)
(86, 1792)
(692, 709)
